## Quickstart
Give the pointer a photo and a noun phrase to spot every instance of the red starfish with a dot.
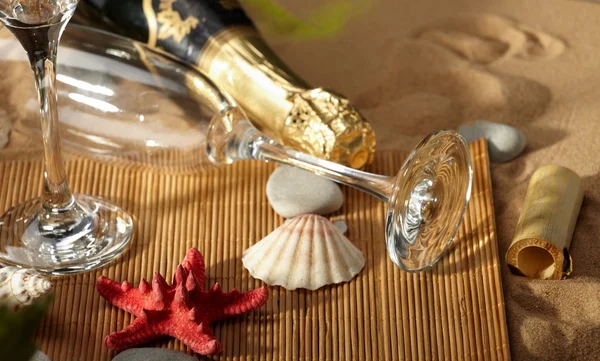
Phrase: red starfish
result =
(182, 310)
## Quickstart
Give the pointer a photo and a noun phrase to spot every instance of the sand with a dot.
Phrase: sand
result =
(415, 66)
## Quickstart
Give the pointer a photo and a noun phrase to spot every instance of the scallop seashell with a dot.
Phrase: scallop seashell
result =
(20, 287)
(307, 251)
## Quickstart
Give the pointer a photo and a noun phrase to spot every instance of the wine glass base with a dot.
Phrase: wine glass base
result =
(99, 233)
(428, 200)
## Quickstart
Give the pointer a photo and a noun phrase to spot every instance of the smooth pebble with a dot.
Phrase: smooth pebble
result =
(292, 192)
(152, 354)
(342, 226)
(505, 142)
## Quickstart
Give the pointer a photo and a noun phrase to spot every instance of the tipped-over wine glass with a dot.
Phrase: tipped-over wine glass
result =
(120, 99)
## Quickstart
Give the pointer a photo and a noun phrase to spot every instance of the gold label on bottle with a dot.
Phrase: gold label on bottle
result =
(182, 27)
(172, 25)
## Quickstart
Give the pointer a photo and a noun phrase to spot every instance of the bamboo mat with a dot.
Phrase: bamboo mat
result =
(453, 312)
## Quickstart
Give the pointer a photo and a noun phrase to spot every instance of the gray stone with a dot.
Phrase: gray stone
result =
(342, 226)
(505, 142)
(152, 354)
(292, 192)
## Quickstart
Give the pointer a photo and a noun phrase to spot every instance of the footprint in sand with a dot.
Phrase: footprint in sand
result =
(437, 79)
(487, 38)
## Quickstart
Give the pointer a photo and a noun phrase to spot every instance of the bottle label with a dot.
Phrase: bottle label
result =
(183, 27)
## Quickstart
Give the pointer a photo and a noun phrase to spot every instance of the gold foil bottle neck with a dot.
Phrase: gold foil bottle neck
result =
(315, 121)
(324, 124)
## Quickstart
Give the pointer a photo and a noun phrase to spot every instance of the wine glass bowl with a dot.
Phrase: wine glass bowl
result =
(37, 13)
(120, 100)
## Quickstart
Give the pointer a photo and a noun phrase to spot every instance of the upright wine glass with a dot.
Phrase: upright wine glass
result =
(183, 119)
(59, 233)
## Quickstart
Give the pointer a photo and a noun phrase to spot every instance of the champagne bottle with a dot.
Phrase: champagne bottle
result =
(217, 38)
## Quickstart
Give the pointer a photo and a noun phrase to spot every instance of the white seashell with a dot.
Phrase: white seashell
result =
(20, 287)
(307, 251)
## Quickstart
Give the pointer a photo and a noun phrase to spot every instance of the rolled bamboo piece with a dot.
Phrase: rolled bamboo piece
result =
(540, 247)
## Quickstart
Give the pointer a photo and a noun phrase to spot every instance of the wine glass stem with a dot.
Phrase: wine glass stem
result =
(231, 138)
(57, 194)
(263, 148)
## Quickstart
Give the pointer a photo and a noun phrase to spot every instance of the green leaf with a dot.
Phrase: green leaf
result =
(327, 20)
